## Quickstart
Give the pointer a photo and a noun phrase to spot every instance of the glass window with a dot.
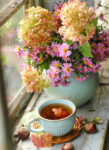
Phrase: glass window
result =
(11, 62)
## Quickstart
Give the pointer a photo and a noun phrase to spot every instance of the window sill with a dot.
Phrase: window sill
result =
(29, 107)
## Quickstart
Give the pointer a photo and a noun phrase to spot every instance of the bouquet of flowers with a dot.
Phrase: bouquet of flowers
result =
(57, 44)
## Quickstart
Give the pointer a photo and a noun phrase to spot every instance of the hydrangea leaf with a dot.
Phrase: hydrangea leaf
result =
(85, 50)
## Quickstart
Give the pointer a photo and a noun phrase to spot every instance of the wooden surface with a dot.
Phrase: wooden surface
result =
(97, 106)
(18, 103)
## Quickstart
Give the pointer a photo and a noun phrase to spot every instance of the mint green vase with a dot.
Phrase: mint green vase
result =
(78, 92)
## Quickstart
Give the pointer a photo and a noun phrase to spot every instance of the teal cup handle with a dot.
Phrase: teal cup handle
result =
(30, 123)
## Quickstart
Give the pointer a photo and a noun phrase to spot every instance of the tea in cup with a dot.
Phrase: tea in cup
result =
(56, 117)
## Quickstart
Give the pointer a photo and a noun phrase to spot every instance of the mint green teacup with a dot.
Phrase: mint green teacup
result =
(58, 127)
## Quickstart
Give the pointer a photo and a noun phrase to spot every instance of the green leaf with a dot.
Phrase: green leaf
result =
(97, 120)
(86, 50)
(69, 42)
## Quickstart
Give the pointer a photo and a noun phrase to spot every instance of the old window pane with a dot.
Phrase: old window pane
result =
(11, 62)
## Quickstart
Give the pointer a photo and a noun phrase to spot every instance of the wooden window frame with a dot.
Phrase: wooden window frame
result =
(22, 98)
(12, 7)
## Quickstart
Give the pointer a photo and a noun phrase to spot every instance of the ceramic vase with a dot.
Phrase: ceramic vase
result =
(78, 92)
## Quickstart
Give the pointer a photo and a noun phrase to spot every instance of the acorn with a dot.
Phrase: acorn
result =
(23, 133)
(90, 127)
(67, 146)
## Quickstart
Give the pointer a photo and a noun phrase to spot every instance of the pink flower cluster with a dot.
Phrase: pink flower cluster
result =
(60, 73)
(64, 43)
(60, 50)
(86, 67)
(36, 27)
(33, 79)
(37, 54)
(100, 46)
(41, 139)
(89, 66)
(78, 21)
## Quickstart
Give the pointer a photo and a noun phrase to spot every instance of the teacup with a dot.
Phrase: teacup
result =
(58, 127)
